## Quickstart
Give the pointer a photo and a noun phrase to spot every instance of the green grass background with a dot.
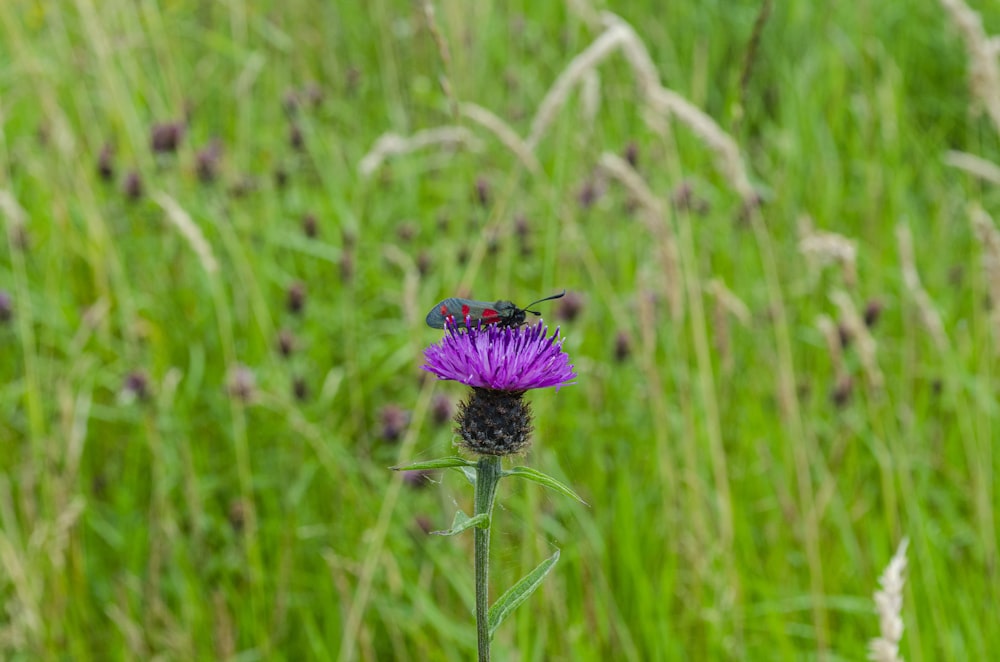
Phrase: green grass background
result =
(736, 511)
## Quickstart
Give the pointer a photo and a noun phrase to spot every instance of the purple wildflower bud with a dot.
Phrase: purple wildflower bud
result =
(237, 515)
(844, 335)
(136, 385)
(353, 78)
(6, 307)
(106, 163)
(588, 194)
(424, 523)
(441, 409)
(309, 227)
(286, 343)
(19, 236)
(207, 161)
(349, 238)
(133, 185)
(314, 94)
(623, 346)
(418, 479)
(749, 207)
(295, 138)
(522, 227)
(483, 191)
(424, 263)
(290, 102)
(406, 231)
(243, 187)
(242, 384)
(300, 389)
(569, 307)
(492, 244)
(166, 137)
(394, 422)
(683, 196)
(873, 310)
(296, 297)
(841, 393)
(346, 266)
(632, 154)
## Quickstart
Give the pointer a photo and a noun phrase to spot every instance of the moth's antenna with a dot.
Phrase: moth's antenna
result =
(554, 296)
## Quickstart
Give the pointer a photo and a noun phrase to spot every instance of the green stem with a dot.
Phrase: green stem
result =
(487, 477)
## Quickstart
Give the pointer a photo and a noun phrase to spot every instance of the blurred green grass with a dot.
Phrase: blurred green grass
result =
(737, 509)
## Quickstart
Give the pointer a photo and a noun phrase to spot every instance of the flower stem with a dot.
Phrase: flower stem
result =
(487, 477)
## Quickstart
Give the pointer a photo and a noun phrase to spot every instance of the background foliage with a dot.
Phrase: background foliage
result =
(210, 354)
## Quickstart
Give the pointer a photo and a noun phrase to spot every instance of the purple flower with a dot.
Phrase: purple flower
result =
(500, 358)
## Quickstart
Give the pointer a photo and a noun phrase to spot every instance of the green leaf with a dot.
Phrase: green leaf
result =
(463, 522)
(544, 479)
(440, 463)
(518, 593)
(470, 474)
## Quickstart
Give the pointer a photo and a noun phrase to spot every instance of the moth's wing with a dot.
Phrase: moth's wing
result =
(459, 309)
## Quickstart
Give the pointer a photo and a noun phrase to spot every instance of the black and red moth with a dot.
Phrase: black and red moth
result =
(504, 313)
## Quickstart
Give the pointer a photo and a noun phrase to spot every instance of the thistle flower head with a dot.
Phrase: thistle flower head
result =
(500, 358)
(500, 364)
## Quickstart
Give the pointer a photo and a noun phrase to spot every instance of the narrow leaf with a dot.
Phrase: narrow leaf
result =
(519, 592)
(470, 473)
(463, 522)
(440, 463)
(544, 479)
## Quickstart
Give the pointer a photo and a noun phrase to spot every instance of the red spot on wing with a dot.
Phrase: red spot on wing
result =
(491, 316)
(465, 310)
(444, 310)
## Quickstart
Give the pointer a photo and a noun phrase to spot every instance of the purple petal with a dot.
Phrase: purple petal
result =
(500, 358)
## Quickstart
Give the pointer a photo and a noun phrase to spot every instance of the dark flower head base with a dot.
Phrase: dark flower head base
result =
(500, 364)
(494, 422)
